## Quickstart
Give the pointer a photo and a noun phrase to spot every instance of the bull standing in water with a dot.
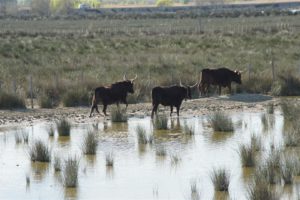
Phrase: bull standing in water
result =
(170, 96)
(115, 93)
(221, 77)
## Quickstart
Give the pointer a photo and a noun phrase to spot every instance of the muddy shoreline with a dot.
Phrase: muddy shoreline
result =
(195, 107)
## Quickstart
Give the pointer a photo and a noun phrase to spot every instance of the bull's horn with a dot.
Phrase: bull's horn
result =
(124, 77)
(134, 78)
(194, 85)
(180, 83)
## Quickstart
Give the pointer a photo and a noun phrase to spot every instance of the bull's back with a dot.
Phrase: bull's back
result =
(220, 76)
(167, 95)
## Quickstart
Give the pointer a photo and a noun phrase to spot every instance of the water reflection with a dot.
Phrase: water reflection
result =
(70, 194)
(39, 170)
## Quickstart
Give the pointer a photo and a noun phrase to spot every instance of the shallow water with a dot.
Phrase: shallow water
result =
(138, 173)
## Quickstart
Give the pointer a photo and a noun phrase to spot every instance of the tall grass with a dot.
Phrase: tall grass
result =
(220, 179)
(70, 172)
(118, 115)
(76, 97)
(11, 101)
(63, 127)
(90, 143)
(221, 122)
(39, 151)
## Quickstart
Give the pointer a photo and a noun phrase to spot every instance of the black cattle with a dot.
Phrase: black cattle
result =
(170, 96)
(221, 77)
(115, 93)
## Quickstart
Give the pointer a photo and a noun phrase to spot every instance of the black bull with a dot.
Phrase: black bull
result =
(115, 93)
(170, 96)
(221, 77)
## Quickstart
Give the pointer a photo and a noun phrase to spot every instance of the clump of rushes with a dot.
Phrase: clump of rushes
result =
(260, 190)
(90, 143)
(117, 115)
(70, 172)
(221, 122)
(39, 151)
(109, 159)
(247, 154)
(161, 122)
(142, 136)
(63, 127)
(220, 179)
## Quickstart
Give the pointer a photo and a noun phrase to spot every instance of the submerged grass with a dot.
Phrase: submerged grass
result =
(220, 179)
(70, 172)
(221, 122)
(39, 151)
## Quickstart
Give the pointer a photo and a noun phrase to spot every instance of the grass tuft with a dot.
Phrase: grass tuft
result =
(70, 172)
(220, 122)
(63, 127)
(39, 151)
(90, 143)
(57, 164)
(220, 179)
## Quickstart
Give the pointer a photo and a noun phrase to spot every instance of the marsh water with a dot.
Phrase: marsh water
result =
(138, 172)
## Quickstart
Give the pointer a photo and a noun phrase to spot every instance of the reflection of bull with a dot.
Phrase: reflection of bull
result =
(221, 77)
(170, 96)
(115, 93)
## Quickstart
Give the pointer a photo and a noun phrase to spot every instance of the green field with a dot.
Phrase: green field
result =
(69, 54)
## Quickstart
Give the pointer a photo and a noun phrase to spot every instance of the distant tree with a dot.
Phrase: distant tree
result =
(61, 6)
(5, 5)
(164, 2)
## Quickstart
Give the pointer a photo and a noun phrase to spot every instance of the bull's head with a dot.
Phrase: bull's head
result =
(237, 77)
(188, 90)
(129, 83)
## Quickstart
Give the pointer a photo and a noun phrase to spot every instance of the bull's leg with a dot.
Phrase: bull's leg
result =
(171, 111)
(92, 109)
(154, 110)
(220, 90)
(177, 109)
(229, 87)
(97, 109)
(104, 109)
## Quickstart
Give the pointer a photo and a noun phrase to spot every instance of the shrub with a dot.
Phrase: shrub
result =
(40, 152)
(11, 101)
(75, 98)
(45, 101)
(90, 143)
(287, 85)
(220, 179)
(220, 122)
(70, 172)
(161, 122)
(63, 127)
(118, 115)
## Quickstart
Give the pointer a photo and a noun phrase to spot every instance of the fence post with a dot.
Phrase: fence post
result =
(31, 91)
